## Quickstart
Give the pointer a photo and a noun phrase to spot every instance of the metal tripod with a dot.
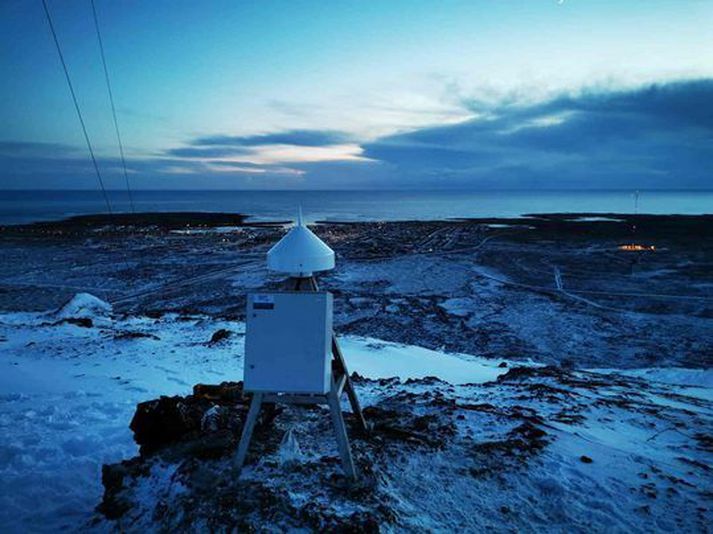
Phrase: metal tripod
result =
(341, 382)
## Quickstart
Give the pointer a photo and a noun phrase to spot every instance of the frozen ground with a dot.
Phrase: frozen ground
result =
(68, 391)
(555, 289)
(505, 448)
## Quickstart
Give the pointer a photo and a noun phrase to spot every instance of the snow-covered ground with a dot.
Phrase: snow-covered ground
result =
(69, 390)
(67, 394)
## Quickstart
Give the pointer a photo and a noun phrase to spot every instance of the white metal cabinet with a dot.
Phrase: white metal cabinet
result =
(288, 342)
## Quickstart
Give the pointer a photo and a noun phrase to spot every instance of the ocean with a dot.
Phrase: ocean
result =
(29, 206)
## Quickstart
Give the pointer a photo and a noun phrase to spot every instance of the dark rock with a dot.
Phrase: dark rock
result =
(705, 441)
(358, 379)
(159, 422)
(219, 335)
(83, 322)
(223, 392)
(586, 459)
(393, 381)
(169, 420)
(210, 446)
(523, 373)
(568, 364)
(530, 433)
(503, 365)
(522, 441)
(569, 417)
(135, 335)
(113, 504)
(481, 407)
(403, 426)
(426, 380)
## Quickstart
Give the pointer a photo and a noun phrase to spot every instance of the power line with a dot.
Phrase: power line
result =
(113, 108)
(76, 104)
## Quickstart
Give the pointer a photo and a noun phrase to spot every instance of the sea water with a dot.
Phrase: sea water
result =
(29, 206)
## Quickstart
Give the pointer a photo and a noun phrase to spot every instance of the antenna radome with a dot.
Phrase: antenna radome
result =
(300, 252)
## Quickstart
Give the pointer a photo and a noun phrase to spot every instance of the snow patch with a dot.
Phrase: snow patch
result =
(290, 451)
(598, 219)
(84, 306)
(376, 359)
(460, 307)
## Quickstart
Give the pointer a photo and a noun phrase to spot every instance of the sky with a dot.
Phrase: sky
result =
(474, 94)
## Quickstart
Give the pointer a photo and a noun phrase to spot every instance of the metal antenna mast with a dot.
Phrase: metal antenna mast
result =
(76, 104)
(113, 108)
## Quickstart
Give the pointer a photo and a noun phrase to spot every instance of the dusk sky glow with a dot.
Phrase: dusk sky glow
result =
(339, 95)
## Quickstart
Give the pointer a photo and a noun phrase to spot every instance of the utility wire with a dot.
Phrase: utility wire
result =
(113, 108)
(76, 104)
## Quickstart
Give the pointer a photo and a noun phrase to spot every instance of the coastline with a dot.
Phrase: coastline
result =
(352, 205)
(602, 222)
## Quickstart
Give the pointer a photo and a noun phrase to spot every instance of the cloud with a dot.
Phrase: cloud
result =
(207, 152)
(306, 138)
(35, 149)
(656, 136)
(271, 149)
(45, 165)
(278, 154)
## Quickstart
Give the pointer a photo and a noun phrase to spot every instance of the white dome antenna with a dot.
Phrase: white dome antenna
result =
(300, 252)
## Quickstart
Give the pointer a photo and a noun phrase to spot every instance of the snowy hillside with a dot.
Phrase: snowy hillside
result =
(480, 446)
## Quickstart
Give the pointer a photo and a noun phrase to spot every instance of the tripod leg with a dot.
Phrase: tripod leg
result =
(349, 387)
(342, 439)
(356, 407)
(342, 367)
(248, 427)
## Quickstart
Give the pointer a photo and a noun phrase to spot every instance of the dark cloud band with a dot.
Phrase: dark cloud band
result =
(317, 138)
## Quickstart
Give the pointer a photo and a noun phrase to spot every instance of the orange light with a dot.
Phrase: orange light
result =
(633, 247)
